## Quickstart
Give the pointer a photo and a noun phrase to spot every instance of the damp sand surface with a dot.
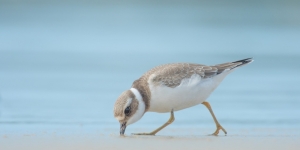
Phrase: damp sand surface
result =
(172, 138)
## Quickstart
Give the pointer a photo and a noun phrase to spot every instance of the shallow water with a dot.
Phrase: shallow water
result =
(63, 66)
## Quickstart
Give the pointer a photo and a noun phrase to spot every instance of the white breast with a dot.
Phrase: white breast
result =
(190, 92)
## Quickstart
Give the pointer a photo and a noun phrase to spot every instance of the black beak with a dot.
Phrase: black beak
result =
(122, 128)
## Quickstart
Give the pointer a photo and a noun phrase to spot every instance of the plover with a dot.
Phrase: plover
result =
(172, 87)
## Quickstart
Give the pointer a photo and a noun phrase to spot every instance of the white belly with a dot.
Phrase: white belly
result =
(190, 92)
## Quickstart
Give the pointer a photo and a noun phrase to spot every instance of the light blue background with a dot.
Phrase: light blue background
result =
(65, 63)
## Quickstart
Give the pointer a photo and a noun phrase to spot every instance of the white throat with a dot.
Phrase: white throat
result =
(141, 107)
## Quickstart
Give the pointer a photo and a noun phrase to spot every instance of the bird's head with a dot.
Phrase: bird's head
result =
(129, 108)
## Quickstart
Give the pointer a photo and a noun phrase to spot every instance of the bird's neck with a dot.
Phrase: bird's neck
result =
(141, 107)
(139, 97)
(142, 88)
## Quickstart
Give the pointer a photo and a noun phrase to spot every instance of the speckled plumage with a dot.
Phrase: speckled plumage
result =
(171, 75)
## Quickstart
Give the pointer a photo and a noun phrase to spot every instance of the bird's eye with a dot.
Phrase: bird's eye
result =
(127, 111)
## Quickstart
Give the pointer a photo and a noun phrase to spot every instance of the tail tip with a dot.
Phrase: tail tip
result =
(245, 61)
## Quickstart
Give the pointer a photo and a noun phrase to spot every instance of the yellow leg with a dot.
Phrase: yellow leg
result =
(172, 118)
(219, 127)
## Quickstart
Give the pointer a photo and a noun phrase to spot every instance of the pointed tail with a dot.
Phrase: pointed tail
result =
(242, 62)
(232, 65)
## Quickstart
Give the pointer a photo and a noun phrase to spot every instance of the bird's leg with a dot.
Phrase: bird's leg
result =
(219, 127)
(172, 118)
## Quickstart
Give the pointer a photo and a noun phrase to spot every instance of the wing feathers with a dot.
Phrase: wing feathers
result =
(171, 75)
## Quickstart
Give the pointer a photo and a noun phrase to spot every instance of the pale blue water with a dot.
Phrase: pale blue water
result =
(64, 65)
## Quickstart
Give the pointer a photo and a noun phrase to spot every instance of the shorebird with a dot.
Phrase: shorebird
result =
(172, 87)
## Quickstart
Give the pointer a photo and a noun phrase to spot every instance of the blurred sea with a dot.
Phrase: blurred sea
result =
(64, 64)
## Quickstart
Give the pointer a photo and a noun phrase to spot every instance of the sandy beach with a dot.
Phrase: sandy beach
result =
(246, 139)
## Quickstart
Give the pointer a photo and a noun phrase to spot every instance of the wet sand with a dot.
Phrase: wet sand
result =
(259, 138)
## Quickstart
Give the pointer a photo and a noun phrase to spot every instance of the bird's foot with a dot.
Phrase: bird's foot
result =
(143, 133)
(219, 127)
